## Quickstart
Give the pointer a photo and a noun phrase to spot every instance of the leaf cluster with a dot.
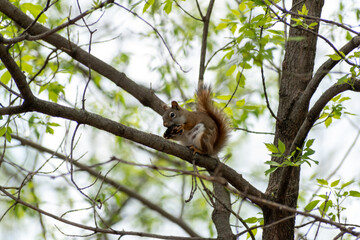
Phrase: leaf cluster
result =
(295, 159)
(331, 203)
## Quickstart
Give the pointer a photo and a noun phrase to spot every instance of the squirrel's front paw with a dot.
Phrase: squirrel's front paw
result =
(173, 131)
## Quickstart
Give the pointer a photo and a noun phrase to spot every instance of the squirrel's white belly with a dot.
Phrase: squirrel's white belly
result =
(193, 137)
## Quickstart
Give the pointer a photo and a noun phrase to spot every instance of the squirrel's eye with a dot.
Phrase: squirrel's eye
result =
(172, 115)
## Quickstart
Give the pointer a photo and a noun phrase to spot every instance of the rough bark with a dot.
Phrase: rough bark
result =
(221, 213)
(298, 66)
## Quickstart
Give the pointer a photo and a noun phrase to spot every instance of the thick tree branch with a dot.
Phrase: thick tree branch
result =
(144, 95)
(325, 68)
(147, 139)
(221, 213)
(309, 122)
(315, 111)
(13, 110)
(18, 76)
(112, 182)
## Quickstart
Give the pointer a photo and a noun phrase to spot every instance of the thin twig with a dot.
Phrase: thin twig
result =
(157, 33)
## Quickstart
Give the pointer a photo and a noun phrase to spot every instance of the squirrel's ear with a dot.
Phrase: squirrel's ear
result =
(165, 107)
(175, 105)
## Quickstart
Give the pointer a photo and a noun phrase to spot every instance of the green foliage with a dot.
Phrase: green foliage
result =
(252, 36)
(253, 222)
(34, 10)
(333, 110)
(295, 159)
(299, 21)
(331, 203)
(53, 89)
(5, 77)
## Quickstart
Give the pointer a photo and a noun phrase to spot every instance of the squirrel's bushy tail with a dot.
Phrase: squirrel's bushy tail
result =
(205, 104)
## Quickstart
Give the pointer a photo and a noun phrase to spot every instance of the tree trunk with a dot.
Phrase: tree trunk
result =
(297, 70)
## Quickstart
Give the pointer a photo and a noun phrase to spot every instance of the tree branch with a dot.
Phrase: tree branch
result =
(309, 122)
(19, 77)
(13, 110)
(112, 182)
(94, 229)
(146, 139)
(315, 111)
(206, 20)
(143, 95)
(325, 68)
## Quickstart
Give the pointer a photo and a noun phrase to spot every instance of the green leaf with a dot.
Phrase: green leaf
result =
(354, 194)
(2, 131)
(273, 163)
(34, 11)
(251, 220)
(49, 130)
(311, 205)
(8, 134)
(334, 57)
(231, 70)
(328, 121)
(312, 25)
(254, 231)
(344, 185)
(323, 196)
(348, 36)
(240, 103)
(342, 79)
(5, 78)
(242, 79)
(304, 10)
(242, 6)
(336, 98)
(325, 206)
(272, 148)
(335, 183)
(224, 97)
(343, 99)
(168, 6)
(221, 26)
(281, 146)
(309, 143)
(322, 181)
(148, 4)
(271, 170)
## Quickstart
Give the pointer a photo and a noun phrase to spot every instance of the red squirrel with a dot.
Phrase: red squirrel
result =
(205, 130)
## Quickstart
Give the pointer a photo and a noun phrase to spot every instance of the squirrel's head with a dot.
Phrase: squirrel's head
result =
(172, 115)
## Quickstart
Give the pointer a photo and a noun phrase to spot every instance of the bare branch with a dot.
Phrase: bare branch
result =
(157, 33)
(206, 21)
(112, 182)
(313, 18)
(18, 76)
(95, 229)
